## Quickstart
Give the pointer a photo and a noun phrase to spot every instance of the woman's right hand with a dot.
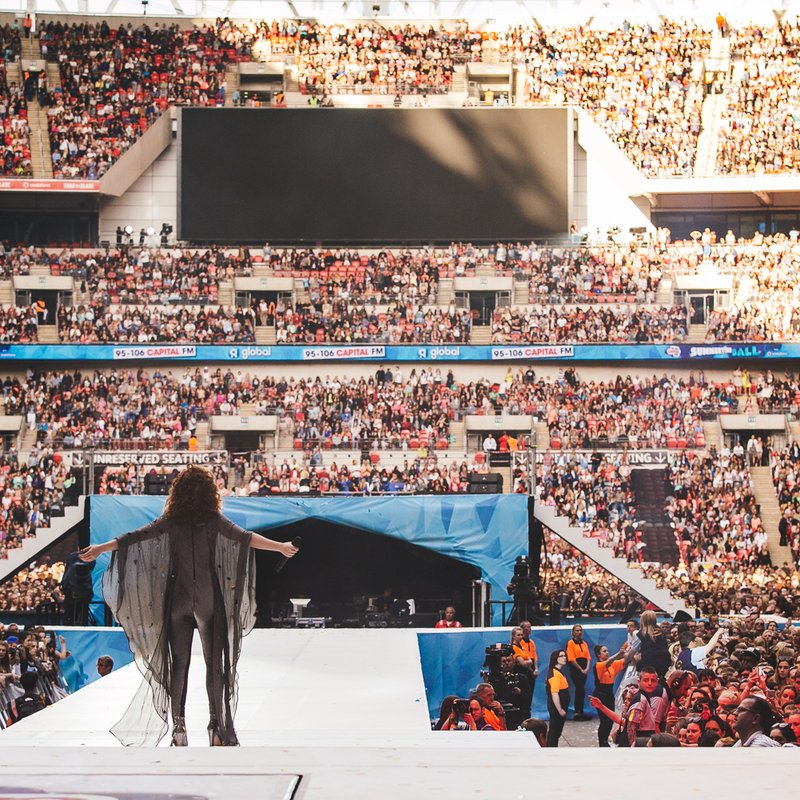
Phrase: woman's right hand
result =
(89, 553)
(563, 713)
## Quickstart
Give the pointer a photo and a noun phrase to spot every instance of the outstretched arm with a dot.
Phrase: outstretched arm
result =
(260, 542)
(597, 703)
(91, 552)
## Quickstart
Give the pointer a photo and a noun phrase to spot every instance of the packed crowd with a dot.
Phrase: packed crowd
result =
(311, 476)
(785, 465)
(637, 81)
(714, 511)
(28, 493)
(396, 325)
(115, 82)
(760, 320)
(372, 58)
(341, 277)
(627, 411)
(159, 276)
(565, 575)
(30, 671)
(37, 589)
(97, 322)
(760, 130)
(704, 683)
(576, 324)
(19, 324)
(593, 492)
(642, 84)
(384, 412)
(15, 156)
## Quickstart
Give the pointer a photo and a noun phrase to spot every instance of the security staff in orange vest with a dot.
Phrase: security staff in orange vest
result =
(557, 696)
(524, 652)
(606, 669)
(578, 659)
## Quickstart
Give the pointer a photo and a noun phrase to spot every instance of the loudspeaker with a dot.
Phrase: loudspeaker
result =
(484, 488)
(155, 484)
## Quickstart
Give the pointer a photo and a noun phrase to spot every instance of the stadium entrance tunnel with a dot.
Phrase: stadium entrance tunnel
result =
(340, 568)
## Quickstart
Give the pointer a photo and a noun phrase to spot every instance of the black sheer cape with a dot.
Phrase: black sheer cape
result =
(138, 589)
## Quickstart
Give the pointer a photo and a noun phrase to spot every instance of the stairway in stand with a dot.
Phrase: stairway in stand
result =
(650, 490)
(767, 498)
(481, 334)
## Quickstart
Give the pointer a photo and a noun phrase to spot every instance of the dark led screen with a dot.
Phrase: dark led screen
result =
(373, 175)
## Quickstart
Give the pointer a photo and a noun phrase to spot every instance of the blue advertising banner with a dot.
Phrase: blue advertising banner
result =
(452, 660)
(398, 353)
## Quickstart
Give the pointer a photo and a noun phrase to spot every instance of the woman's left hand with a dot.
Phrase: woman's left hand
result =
(287, 549)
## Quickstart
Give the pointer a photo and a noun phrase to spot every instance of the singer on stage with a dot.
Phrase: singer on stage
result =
(190, 568)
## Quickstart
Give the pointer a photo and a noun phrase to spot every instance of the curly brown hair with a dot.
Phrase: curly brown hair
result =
(193, 496)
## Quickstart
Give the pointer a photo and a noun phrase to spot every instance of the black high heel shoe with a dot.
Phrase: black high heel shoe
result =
(215, 738)
(179, 737)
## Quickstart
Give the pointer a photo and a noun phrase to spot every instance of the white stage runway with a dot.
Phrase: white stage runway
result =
(327, 714)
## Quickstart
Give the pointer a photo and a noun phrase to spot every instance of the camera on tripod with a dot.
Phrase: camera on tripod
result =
(493, 661)
(523, 586)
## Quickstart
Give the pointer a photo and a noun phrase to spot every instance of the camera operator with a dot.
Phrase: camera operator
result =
(511, 690)
(460, 717)
(493, 714)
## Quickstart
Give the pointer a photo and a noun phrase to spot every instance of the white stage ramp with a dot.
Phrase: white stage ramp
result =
(340, 714)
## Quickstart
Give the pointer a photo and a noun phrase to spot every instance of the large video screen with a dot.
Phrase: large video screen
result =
(373, 175)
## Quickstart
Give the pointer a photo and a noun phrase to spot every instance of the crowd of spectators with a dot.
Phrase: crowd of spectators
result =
(714, 510)
(629, 411)
(576, 324)
(593, 492)
(695, 683)
(15, 156)
(311, 476)
(384, 412)
(566, 572)
(643, 84)
(160, 276)
(719, 587)
(19, 324)
(115, 82)
(341, 277)
(760, 128)
(637, 81)
(785, 465)
(372, 58)
(35, 589)
(28, 494)
(760, 320)
(100, 323)
(397, 325)
(30, 669)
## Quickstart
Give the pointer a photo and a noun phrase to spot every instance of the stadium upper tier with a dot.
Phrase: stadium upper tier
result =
(646, 86)
(591, 294)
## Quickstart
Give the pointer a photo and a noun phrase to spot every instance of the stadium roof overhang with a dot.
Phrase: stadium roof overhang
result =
(598, 13)
(723, 193)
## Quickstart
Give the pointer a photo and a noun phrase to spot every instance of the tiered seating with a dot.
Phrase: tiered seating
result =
(636, 80)
(760, 130)
(15, 155)
(714, 510)
(576, 324)
(116, 82)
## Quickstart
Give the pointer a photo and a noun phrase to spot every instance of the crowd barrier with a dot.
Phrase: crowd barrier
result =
(451, 660)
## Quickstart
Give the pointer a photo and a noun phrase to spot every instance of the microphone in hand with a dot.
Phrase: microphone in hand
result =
(296, 542)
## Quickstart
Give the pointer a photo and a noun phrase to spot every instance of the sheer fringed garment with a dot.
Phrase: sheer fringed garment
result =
(147, 581)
